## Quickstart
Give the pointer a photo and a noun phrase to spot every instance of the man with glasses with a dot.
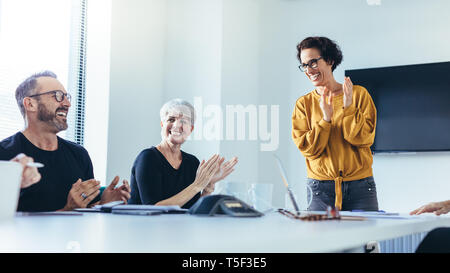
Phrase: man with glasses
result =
(67, 176)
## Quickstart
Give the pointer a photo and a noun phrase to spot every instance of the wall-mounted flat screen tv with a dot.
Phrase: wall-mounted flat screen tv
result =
(413, 106)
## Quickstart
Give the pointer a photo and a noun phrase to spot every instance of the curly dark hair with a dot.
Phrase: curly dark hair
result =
(328, 49)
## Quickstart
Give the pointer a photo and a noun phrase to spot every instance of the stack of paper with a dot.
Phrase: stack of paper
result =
(118, 207)
(163, 209)
(376, 214)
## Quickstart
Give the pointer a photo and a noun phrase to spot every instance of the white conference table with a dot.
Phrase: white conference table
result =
(272, 233)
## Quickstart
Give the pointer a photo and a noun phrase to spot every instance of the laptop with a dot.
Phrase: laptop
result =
(285, 180)
(10, 179)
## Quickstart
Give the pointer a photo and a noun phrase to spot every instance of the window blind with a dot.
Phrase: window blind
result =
(77, 69)
(36, 36)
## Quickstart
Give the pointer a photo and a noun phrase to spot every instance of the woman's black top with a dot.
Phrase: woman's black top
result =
(153, 178)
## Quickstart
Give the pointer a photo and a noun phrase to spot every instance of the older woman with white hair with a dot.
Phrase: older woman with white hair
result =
(166, 175)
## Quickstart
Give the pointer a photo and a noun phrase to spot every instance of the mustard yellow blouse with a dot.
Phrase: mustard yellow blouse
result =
(338, 150)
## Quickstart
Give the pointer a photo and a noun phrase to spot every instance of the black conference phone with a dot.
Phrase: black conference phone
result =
(223, 205)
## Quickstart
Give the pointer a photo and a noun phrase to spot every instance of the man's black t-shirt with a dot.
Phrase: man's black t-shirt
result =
(153, 178)
(63, 167)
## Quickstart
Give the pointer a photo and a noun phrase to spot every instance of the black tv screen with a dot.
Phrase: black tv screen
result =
(413, 106)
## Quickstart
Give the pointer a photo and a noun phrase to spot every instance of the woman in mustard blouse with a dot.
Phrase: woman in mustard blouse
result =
(334, 126)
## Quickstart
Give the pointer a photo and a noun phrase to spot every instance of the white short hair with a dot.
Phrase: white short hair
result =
(180, 105)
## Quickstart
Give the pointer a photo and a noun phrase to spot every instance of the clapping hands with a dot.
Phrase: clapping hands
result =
(224, 169)
(326, 99)
(347, 87)
(326, 104)
(212, 171)
(111, 193)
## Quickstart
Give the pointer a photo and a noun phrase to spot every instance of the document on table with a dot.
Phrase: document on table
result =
(378, 214)
(164, 209)
(130, 208)
(49, 213)
(88, 210)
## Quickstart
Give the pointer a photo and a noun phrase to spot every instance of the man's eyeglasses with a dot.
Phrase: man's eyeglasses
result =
(58, 94)
(311, 64)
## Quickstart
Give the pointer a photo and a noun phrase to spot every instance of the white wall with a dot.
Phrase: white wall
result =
(160, 50)
(138, 46)
(192, 63)
(97, 85)
(240, 82)
(244, 52)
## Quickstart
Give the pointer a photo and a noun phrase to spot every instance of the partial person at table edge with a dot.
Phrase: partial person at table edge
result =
(438, 208)
(30, 174)
(437, 240)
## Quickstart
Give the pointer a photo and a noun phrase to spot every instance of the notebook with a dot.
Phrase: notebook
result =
(119, 207)
(10, 179)
(162, 209)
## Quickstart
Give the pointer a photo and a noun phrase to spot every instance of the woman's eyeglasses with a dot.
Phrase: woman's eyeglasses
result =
(311, 64)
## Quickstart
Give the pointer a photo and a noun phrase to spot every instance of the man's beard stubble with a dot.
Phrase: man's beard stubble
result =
(50, 118)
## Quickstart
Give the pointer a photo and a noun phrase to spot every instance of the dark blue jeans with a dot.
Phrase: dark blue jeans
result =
(356, 195)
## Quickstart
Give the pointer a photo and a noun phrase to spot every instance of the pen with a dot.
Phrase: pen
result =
(30, 164)
(35, 164)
